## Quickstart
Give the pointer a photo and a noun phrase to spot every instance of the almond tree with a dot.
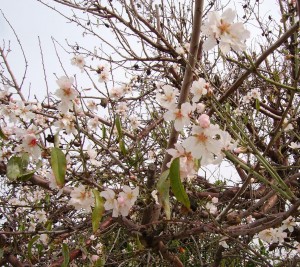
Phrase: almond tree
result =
(182, 149)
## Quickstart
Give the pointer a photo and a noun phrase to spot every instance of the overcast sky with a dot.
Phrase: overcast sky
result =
(31, 19)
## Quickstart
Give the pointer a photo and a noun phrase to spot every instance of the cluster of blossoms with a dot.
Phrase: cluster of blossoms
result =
(253, 94)
(81, 198)
(121, 204)
(207, 140)
(277, 235)
(66, 93)
(221, 30)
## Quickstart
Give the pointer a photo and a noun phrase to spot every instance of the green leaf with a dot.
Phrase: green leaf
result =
(163, 188)
(176, 184)
(122, 147)
(257, 104)
(97, 211)
(30, 245)
(59, 166)
(66, 254)
(2, 135)
(119, 127)
(13, 169)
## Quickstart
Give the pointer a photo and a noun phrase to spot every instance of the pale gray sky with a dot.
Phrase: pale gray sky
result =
(31, 19)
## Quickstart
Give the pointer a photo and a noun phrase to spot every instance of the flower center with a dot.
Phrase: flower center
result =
(224, 27)
(202, 137)
(32, 142)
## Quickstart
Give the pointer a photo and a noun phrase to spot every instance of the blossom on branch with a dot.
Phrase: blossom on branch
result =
(221, 30)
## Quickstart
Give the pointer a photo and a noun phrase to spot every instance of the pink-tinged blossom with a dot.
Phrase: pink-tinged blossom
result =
(65, 92)
(179, 50)
(30, 145)
(181, 116)
(81, 198)
(116, 92)
(134, 122)
(109, 196)
(168, 98)
(67, 123)
(23, 111)
(204, 121)
(78, 61)
(91, 105)
(93, 154)
(129, 195)
(202, 144)
(123, 203)
(200, 108)
(198, 89)
(187, 163)
(103, 71)
(93, 123)
(222, 30)
(122, 108)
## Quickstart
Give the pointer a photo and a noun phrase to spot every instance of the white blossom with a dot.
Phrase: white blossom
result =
(222, 29)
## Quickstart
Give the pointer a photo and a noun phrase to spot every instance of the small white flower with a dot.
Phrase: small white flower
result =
(180, 116)
(109, 196)
(78, 61)
(81, 198)
(168, 98)
(122, 108)
(198, 89)
(294, 145)
(289, 224)
(222, 29)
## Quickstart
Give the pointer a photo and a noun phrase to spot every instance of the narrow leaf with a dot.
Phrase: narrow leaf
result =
(176, 184)
(257, 104)
(30, 245)
(119, 127)
(97, 211)
(59, 166)
(122, 147)
(66, 254)
(163, 188)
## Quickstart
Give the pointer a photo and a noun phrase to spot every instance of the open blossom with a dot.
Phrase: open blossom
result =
(222, 30)
(289, 224)
(211, 206)
(181, 116)
(109, 196)
(134, 122)
(168, 98)
(122, 108)
(30, 145)
(116, 92)
(203, 144)
(273, 235)
(294, 145)
(78, 61)
(93, 154)
(198, 89)
(179, 50)
(103, 72)
(67, 123)
(123, 203)
(65, 91)
(187, 163)
(81, 198)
